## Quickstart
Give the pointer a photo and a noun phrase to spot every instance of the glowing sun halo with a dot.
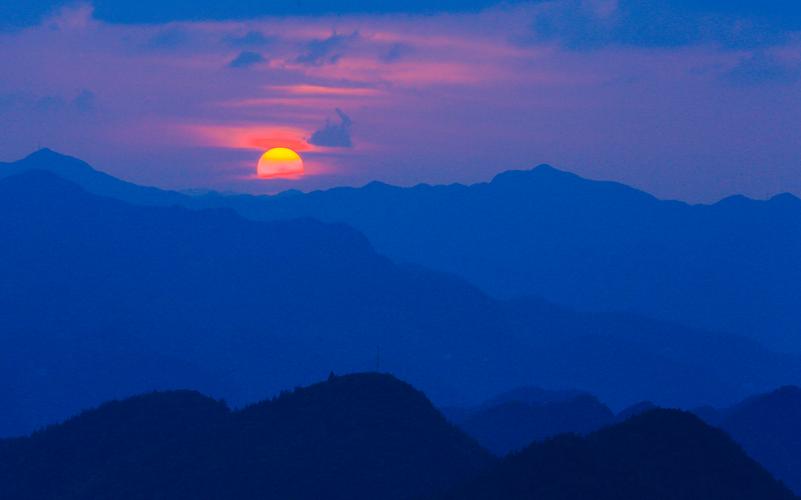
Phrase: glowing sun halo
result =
(280, 162)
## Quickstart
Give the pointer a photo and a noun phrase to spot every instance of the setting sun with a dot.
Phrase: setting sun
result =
(280, 162)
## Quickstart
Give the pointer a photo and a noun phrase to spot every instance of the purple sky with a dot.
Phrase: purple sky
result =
(423, 98)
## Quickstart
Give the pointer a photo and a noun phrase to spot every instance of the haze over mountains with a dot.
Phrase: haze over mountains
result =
(102, 299)
(730, 267)
(260, 306)
(108, 289)
(765, 425)
(511, 425)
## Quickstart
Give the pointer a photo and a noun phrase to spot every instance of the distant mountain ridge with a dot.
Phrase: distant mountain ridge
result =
(590, 245)
(601, 246)
(506, 426)
(102, 299)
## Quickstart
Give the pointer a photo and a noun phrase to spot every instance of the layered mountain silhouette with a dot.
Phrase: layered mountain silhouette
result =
(661, 454)
(511, 425)
(101, 299)
(767, 427)
(731, 266)
(361, 436)
(109, 289)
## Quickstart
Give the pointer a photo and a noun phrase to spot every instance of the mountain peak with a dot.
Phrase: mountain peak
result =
(43, 152)
(379, 185)
(49, 155)
(93, 181)
(787, 199)
(48, 159)
(546, 167)
(782, 394)
(153, 408)
(542, 171)
(364, 386)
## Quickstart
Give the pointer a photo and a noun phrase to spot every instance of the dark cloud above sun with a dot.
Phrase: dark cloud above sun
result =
(576, 23)
(334, 135)
(246, 58)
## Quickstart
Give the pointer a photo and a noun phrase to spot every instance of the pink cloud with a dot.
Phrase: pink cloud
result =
(463, 97)
(324, 90)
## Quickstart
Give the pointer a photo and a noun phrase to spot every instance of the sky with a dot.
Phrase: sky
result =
(693, 100)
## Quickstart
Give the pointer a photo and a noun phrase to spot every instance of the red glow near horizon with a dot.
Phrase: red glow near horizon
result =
(257, 137)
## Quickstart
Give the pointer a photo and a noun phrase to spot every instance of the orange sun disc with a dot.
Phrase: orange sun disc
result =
(280, 162)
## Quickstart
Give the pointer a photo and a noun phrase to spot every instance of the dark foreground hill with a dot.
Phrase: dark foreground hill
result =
(101, 299)
(353, 437)
(768, 427)
(731, 266)
(659, 455)
(362, 436)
